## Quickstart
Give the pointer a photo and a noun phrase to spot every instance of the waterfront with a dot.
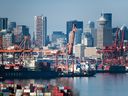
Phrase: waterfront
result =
(103, 84)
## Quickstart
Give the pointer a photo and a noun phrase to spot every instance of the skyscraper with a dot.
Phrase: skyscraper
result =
(12, 25)
(19, 32)
(78, 35)
(108, 17)
(90, 33)
(7, 40)
(104, 33)
(87, 39)
(125, 30)
(3, 23)
(56, 35)
(23, 29)
(40, 31)
(79, 25)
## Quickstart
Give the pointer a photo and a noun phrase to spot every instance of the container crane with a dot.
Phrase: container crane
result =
(114, 55)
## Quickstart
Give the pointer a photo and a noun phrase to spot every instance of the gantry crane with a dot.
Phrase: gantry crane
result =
(114, 55)
(18, 50)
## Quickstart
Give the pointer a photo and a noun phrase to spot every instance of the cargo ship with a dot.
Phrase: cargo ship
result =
(12, 71)
(113, 69)
(43, 69)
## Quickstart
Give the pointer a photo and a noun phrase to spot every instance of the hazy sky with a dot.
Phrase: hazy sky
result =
(60, 11)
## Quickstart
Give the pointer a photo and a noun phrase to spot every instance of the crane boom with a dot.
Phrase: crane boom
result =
(71, 40)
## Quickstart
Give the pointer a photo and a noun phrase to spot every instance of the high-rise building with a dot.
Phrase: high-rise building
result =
(7, 40)
(60, 43)
(125, 30)
(47, 40)
(58, 39)
(23, 29)
(40, 31)
(91, 33)
(91, 24)
(12, 25)
(19, 32)
(104, 33)
(56, 35)
(87, 39)
(3, 23)
(114, 30)
(79, 25)
(78, 34)
(108, 17)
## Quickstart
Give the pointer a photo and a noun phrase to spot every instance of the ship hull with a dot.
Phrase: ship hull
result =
(117, 69)
(9, 74)
(24, 73)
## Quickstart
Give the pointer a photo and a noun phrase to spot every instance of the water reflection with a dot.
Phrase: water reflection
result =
(101, 85)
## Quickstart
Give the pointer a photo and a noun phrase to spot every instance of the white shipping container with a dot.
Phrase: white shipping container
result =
(33, 94)
(47, 94)
(40, 94)
(19, 92)
(26, 90)
(61, 88)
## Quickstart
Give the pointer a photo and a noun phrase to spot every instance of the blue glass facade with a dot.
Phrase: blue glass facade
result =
(79, 25)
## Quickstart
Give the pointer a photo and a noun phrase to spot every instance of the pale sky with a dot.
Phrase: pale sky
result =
(60, 11)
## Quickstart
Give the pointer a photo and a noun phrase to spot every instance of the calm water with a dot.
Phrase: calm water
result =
(100, 85)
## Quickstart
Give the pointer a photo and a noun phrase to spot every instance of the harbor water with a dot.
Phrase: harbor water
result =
(102, 84)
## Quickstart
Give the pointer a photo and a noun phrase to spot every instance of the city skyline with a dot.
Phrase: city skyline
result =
(60, 11)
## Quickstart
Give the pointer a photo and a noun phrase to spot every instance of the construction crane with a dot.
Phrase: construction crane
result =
(71, 40)
(69, 51)
(70, 45)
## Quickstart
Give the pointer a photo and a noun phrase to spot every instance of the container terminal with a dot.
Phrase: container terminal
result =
(114, 57)
(23, 62)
